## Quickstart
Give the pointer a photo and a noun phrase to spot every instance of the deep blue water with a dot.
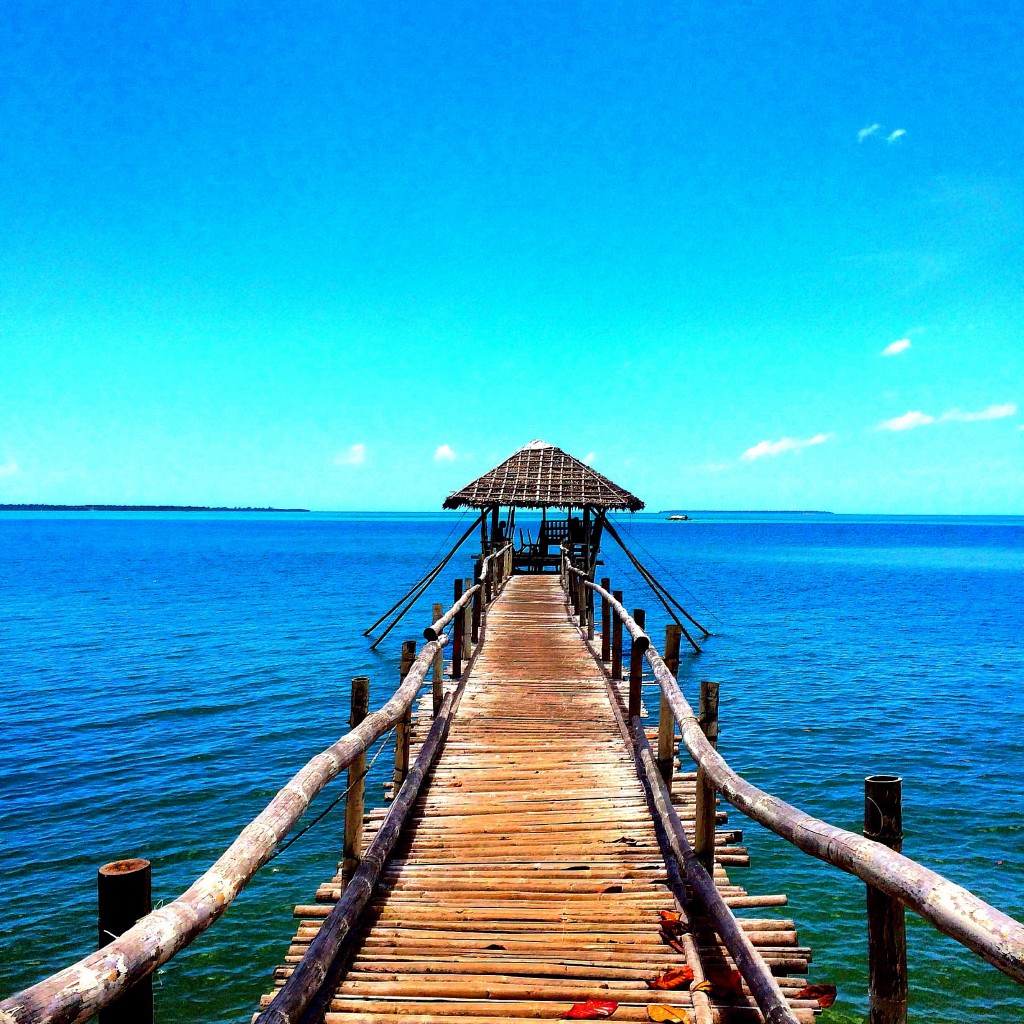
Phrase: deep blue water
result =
(162, 676)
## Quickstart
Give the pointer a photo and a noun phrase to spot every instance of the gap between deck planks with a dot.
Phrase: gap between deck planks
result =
(530, 876)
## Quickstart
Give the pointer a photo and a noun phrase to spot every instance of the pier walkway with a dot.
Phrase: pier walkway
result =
(529, 876)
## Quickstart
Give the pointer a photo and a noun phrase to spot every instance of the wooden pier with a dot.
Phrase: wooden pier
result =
(548, 851)
(529, 876)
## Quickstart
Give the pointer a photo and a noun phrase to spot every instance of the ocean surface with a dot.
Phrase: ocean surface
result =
(162, 676)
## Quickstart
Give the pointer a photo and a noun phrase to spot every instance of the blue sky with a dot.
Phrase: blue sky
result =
(348, 256)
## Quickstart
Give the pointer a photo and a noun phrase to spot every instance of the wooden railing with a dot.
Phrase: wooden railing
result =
(82, 990)
(989, 932)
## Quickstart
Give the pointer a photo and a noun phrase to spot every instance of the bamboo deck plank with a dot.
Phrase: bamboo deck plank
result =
(530, 876)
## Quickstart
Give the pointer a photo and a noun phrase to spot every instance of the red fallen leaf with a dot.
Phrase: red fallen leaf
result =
(671, 940)
(730, 984)
(592, 1009)
(825, 994)
(701, 986)
(674, 977)
(669, 916)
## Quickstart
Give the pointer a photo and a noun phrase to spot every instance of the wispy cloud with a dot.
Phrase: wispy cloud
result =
(354, 455)
(445, 453)
(589, 460)
(896, 347)
(9, 468)
(993, 412)
(866, 133)
(908, 421)
(896, 135)
(785, 444)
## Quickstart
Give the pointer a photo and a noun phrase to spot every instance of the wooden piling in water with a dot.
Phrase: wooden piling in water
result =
(404, 726)
(704, 820)
(355, 802)
(666, 720)
(124, 891)
(457, 635)
(606, 622)
(617, 640)
(437, 671)
(887, 933)
(636, 666)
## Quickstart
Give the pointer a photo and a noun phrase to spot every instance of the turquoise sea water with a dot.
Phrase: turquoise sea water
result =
(162, 676)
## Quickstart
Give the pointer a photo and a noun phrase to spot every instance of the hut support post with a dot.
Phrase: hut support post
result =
(404, 726)
(355, 802)
(666, 720)
(636, 667)
(704, 814)
(589, 597)
(457, 635)
(606, 622)
(887, 933)
(124, 891)
(437, 672)
(617, 640)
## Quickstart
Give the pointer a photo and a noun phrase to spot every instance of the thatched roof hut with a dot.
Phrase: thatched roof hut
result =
(540, 475)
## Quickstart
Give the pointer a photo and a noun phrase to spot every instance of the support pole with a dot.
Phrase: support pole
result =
(704, 814)
(457, 635)
(606, 622)
(404, 726)
(589, 597)
(477, 604)
(124, 891)
(437, 673)
(636, 666)
(666, 720)
(887, 933)
(467, 626)
(617, 640)
(355, 802)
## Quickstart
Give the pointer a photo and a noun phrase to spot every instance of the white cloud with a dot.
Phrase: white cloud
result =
(896, 135)
(785, 444)
(444, 453)
(907, 421)
(896, 347)
(865, 133)
(589, 460)
(9, 469)
(355, 455)
(993, 412)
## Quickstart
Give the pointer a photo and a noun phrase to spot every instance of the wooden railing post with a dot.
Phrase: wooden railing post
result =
(666, 720)
(590, 612)
(704, 812)
(404, 726)
(124, 891)
(437, 670)
(606, 622)
(887, 932)
(457, 635)
(355, 802)
(636, 666)
(477, 603)
(617, 640)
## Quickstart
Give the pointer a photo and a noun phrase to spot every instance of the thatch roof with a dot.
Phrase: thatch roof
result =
(540, 475)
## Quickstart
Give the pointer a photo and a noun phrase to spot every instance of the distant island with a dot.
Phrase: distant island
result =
(741, 512)
(139, 508)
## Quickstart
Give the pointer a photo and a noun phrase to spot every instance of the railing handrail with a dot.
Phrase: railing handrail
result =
(493, 556)
(954, 910)
(80, 991)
